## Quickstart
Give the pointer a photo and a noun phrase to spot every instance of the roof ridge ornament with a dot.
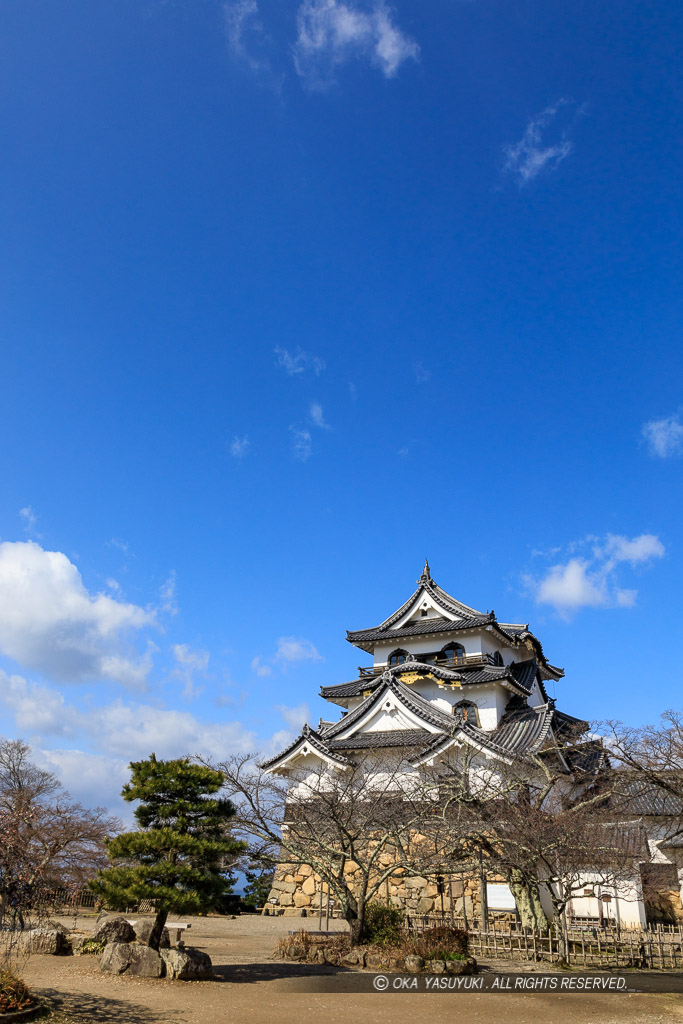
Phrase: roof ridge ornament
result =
(426, 576)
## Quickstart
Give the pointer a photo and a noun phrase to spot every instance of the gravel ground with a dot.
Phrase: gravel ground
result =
(250, 986)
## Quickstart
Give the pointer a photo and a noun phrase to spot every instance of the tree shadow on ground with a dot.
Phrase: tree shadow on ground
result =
(85, 1008)
(272, 971)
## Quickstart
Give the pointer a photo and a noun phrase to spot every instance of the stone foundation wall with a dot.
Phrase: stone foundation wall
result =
(300, 893)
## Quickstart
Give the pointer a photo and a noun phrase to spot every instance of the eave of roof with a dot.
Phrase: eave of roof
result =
(520, 675)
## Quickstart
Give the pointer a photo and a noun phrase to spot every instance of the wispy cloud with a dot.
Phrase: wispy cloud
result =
(525, 159)
(167, 594)
(239, 446)
(259, 668)
(29, 518)
(664, 438)
(190, 664)
(244, 30)
(591, 579)
(422, 375)
(292, 648)
(294, 717)
(317, 418)
(331, 33)
(302, 445)
(295, 363)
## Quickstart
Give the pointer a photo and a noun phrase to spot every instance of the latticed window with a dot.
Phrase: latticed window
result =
(468, 711)
(397, 658)
(454, 652)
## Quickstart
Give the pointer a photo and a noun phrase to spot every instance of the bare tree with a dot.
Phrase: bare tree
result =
(45, 837)
(649, 764)
(544, 826)
(353, 827)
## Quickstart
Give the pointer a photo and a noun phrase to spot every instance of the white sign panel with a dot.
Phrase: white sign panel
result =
(499, 897)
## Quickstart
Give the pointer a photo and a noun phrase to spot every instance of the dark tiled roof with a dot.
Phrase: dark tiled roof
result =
(391, 738)
(522, 729)
(427, 585)
(567, 726)
(645, 797)
(418, 627)
(590, 757)
(521, 673)
(310, 736)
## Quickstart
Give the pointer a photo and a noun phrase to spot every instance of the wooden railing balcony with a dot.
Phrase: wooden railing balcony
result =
(446, 661)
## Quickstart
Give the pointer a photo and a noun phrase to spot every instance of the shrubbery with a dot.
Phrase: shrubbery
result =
(439, 943)
(383, 925)
(14, 995)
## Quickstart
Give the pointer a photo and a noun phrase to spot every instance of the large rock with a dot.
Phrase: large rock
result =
(187, 964)
(132, 958)
(49, 941)
(143, 930)
(414, 964)
(114, 928)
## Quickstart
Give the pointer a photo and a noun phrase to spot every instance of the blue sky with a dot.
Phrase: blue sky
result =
(296, 294)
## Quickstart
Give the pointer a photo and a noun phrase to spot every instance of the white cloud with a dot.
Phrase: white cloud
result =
(51, 623)
(190, 663)
(259, 668)
(292, 648)
(590, 581)
(317, 418)
(120, 545)
(122, 730)
(294, 717)
(298, 362)
(664, 437)
(29, 518)
(301, 443)
(167, 594)
(240, 446)
(525, 159)
(635, 551)
(244, 30)
(38, 709)
(421, 374)
(331, 33)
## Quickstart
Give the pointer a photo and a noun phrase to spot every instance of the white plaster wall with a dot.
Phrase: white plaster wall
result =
(626, 907)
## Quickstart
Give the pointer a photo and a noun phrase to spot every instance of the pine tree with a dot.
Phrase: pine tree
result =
(180, 852)
(259, 882)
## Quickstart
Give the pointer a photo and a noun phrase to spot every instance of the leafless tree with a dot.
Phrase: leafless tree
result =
(649, 765)
(541, 825)
(354, 827)
(46, 839)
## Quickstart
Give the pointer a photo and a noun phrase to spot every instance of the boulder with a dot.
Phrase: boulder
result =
(114, 928)
(435, 966)
(143, 930)
(48, 941)
(187, 964)
(414, 964)
(132, 958)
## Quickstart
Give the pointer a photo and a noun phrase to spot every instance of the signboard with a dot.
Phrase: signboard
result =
(499, 897)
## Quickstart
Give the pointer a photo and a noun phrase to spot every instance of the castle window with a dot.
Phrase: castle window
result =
(454, 652)
(497, 658)
(397, 658)
(424, 612)
(468, 711)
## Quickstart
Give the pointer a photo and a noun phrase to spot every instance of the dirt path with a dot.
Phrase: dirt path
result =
(249, 986)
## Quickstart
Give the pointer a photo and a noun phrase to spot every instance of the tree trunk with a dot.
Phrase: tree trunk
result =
(356, 921)
(157, 929)
(527, 900)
